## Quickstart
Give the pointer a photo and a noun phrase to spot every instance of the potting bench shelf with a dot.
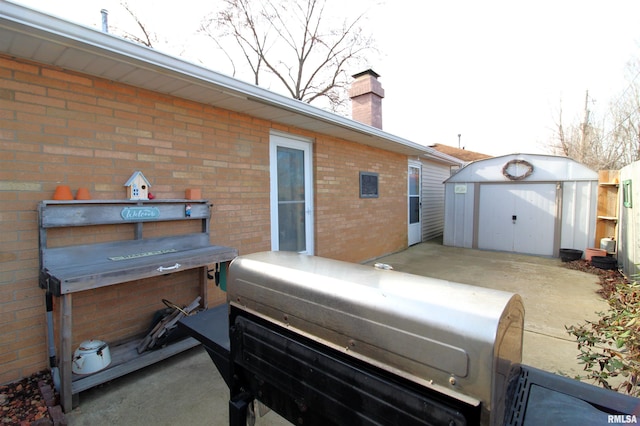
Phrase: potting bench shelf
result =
(125, 359)
(72, 268)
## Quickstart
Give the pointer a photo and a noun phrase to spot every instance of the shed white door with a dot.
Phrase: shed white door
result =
(517, 218)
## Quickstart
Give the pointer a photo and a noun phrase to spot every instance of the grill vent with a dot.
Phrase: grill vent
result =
(517, 399)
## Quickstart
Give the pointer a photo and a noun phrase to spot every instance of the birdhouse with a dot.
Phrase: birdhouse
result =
(138, 187)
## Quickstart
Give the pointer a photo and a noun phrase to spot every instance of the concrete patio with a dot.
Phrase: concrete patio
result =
(188, 389)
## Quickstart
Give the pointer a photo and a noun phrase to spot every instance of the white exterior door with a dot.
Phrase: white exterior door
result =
(291, 195)
(414, 204)
(518, 218)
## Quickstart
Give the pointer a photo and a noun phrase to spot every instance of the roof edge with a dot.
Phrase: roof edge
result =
(436, 155)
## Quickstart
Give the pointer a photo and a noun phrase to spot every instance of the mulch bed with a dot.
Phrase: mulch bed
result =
(608, 278)
(31, 401)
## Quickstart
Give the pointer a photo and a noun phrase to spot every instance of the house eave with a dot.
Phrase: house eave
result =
(437, 156)
(32, 35)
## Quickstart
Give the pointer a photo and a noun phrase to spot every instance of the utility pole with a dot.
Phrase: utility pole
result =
(585, 125)
(459, 134)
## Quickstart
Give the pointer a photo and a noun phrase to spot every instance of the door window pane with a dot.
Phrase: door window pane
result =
(291, 220)
(414, 209)
(291, 200)
(414, 181)
(290, 174)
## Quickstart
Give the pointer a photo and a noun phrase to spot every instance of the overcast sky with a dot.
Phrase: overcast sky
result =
(494, 71)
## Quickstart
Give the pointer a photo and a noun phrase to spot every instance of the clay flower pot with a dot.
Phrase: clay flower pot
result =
(83, 194)
(193, 194)
(590, 252)
(63, 192)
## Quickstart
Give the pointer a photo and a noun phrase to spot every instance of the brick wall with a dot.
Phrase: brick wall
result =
(58, 127)
(358, 229)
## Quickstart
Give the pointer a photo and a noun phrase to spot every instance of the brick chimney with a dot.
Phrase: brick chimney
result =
(366, 95)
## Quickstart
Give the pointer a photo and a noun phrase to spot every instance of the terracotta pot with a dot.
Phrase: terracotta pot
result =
(63, 192)
(590, 252)
(83, 194)
(193, 194)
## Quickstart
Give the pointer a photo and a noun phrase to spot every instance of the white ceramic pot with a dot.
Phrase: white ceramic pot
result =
(90, 357)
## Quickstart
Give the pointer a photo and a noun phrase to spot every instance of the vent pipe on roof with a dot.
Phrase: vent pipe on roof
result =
(105, 20)
(366, 98)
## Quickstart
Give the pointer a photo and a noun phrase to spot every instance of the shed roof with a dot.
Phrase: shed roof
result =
(29, 34)
(545, 168)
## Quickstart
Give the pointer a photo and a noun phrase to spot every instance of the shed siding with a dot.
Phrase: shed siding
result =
(579, 201)
(433, 177)
(459, 212)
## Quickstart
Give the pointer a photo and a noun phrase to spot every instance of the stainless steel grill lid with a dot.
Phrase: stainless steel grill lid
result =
(459, 339)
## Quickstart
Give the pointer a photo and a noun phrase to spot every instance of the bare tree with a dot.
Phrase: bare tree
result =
(574, 140)
(559, 144)
(147, 38)
(625, 118)
(602, 144)
(291, 44)
(615, 141)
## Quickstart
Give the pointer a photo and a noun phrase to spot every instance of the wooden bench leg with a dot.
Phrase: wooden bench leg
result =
(66, 337)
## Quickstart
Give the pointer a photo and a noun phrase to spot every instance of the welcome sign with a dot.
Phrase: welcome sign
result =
(140, 213)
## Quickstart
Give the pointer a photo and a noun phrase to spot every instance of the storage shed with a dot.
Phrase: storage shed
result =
(521, 203)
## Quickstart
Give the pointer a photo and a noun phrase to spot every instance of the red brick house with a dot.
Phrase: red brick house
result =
(87, 109)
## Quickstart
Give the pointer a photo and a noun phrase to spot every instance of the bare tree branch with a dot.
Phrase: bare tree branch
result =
(292, 44)
(147, 40)
(599, 146)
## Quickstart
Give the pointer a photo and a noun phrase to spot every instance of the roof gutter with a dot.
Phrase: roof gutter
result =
(436, 155)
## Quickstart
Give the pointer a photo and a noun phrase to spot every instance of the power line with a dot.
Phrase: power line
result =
(620, 98)
(631, 84)
(621, 123)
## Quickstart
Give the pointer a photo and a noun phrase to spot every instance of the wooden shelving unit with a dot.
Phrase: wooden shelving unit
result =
(608, 201)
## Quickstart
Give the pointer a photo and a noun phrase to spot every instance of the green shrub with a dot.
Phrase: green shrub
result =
(610, 347)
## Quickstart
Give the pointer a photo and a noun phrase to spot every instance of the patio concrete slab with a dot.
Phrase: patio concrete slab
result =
(187, 389)
(554, 296)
